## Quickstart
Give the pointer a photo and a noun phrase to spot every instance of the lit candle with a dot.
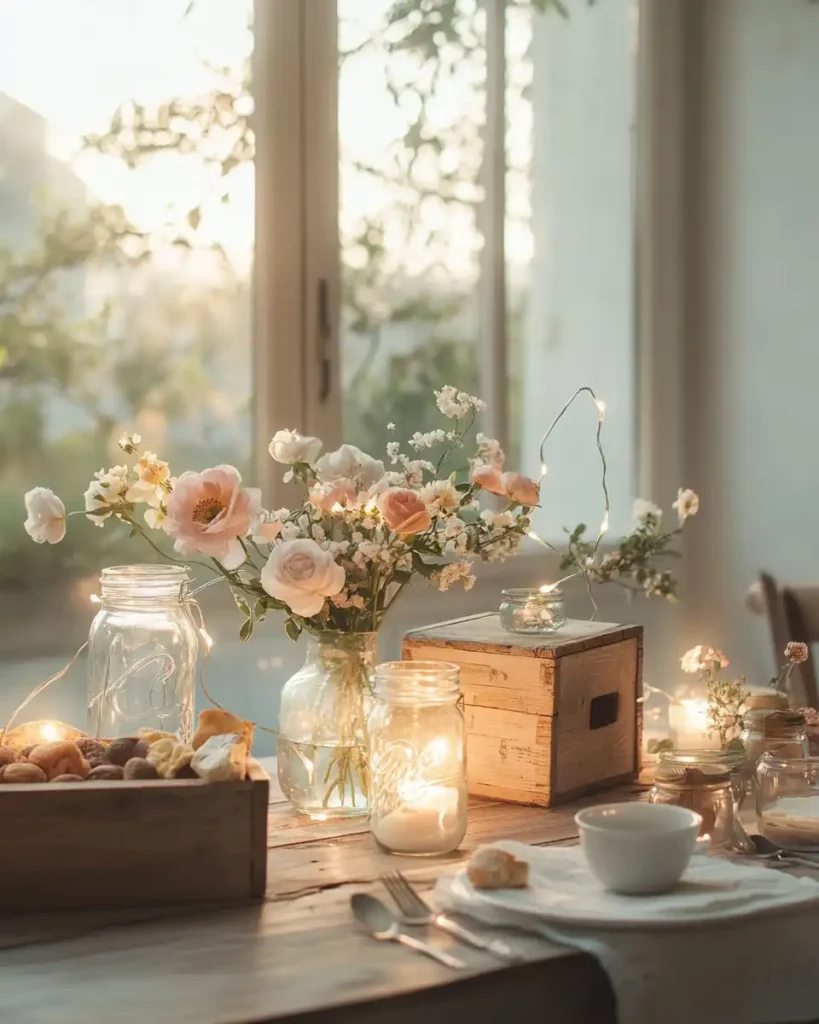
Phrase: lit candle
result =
(41, 731)
(426, 814)
(688, 722)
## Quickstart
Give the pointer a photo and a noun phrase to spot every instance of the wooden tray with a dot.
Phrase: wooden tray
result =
(120, 844)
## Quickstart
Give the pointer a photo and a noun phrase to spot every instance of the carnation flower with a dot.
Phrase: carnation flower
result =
(796, 652)
(701, 659)
(45, 522)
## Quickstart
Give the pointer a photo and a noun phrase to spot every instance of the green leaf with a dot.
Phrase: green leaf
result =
(195, 217)
(293, 629)
(104, 511)
(421, 567)
(241, 602)
(463, 488)
(246, 632)
(260, 609)
(401, 576)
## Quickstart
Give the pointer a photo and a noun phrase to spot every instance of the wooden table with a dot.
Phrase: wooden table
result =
(299, 954)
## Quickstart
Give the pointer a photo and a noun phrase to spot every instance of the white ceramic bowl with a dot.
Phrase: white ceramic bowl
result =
(638, 848)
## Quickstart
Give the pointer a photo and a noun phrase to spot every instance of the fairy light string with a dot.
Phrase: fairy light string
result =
(604, 524)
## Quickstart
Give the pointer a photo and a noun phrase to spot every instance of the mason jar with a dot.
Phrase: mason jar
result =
(704, 788)
(773, 729)
(523, 610)
(417, 758)
(741, 771)
(787, 801)
(142, 652)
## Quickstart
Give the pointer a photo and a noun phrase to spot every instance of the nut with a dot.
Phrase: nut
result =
(122, 750)
(59, 758)
(68, 777)
(91, 748)
(23, 772)
(139, 768)
(7, 756)
(170, 757)
(27, 750)
(105, 773)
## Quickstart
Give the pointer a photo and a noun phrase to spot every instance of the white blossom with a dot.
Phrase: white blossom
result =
(45, 520)
(429, 440)
(393, 450)
(454, 572)
(390, 426)
(647, 514)
(349, 463)
(106, 490)
(687, 503)
(440, 496)
(456, 404)
(128, 442)
(289, 447)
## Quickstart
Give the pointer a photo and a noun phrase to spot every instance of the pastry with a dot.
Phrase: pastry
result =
(492, 868)
(214, 722)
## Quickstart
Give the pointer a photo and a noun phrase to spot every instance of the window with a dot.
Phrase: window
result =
(474, 159)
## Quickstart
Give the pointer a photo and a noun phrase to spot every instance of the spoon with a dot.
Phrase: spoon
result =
(383, 925)
(770, 851)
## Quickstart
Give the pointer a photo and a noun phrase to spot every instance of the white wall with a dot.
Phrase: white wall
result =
(759, 369)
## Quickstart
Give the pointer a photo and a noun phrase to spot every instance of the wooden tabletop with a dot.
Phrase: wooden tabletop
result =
(299, 954)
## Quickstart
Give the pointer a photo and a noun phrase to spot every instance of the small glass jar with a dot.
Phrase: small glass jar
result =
(417, 758)
(532, 611)
(142, 652)
(787, 801)
(771, 727)
(740, 770)
(705, 789)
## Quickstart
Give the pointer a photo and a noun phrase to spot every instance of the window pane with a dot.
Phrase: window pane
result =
(412, 110)
(569, 246)
(126, 232)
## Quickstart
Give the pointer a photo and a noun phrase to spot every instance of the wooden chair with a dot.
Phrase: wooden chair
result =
(793, 614)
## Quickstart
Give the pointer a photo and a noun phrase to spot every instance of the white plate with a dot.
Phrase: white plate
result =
(562, 889)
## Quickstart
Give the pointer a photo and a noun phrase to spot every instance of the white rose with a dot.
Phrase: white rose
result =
(349, 463)
(46, 516)
(289, 447)
(302, 574)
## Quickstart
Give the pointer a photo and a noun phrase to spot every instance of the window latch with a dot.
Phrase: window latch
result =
(324, 331)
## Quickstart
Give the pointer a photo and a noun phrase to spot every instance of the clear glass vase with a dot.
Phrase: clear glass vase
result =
(142, 652)
(322, 741)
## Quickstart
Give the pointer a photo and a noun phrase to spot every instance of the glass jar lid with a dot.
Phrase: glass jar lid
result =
(772, 701)
(731, 759)
(691, 776)
(524, 594)
(418, 682)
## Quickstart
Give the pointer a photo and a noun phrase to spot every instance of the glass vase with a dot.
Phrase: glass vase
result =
(142, 652)
(322, 741)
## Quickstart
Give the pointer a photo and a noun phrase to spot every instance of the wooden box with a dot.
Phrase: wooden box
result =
(547, 717)
(125, 844)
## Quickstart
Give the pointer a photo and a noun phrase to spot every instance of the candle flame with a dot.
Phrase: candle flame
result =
(50, 731)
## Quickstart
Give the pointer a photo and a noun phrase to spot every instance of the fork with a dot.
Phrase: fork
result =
(414, 911)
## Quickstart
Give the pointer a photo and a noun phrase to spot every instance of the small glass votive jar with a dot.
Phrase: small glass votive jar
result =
(532, 611)
(706, 789)
(417, 758)
(741, 771)
(787, 801)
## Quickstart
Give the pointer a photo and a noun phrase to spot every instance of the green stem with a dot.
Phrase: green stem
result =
(164, 554)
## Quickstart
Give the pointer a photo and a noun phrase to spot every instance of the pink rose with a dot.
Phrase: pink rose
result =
(403, 511)
(520, 488)
(302, 574)
(342, 492)
(488, 478)
(207, 513)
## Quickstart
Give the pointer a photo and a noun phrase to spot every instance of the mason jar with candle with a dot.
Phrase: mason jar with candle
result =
(142, 652)
(417, 758)
(771, 727)
(523, 610)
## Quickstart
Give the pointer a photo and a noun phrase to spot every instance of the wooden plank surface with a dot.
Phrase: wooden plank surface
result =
(299, 953)
(485, 633)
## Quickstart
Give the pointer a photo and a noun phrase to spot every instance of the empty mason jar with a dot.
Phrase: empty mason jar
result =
(417, 758)
(142, 652)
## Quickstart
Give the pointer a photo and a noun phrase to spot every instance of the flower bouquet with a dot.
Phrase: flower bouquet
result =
(336, 564)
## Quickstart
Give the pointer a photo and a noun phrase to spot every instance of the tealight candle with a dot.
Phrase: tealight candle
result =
(418, 798)
(688, 723)
(40, 731)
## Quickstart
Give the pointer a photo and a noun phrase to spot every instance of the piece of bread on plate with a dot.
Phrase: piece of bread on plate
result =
(490, 867)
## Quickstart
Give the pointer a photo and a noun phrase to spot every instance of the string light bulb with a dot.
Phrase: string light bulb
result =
(604, 526)
(601, 407)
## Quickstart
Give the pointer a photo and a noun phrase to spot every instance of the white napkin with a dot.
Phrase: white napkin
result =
(739, 944)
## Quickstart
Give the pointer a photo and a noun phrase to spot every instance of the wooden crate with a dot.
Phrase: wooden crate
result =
(127, 844)
(548, 718)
